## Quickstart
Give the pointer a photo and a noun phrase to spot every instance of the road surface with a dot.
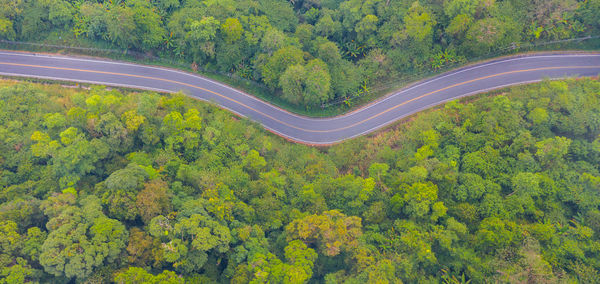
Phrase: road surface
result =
(315, 131)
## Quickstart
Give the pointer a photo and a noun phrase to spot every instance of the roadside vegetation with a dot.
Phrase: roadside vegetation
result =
(305, 53)
(102, 185)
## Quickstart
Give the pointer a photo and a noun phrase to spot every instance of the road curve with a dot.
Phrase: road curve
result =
(315, 131)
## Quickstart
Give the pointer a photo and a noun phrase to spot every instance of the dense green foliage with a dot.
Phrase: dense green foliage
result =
(307, 51)
(103, 186)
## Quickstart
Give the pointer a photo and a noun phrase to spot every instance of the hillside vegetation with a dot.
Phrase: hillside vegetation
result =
(307, 52)
(102, 185)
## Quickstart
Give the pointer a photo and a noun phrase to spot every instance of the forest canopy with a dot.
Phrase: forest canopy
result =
(105, 185)
(101, 185)
(307, 52)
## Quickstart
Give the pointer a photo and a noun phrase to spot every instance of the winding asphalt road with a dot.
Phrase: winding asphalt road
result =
(315, 131)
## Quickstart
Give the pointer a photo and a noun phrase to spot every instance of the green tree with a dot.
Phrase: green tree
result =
(459, 25)
(327, 27)
(416, 200)
(330, 53)
(148, 26)
(273, 40)
(173, 124)
(132, 120)
(233, 30)
(590, 13)
(292, 83)
(379, 171)
(122, 34)
(310, 84)
(279, 62)
(81, 239)
(20, 272)
(202, 33)
(484, 162)
(7, 30)
(454, 8)
(414, 241)
(254, 162)
(77, 157)
(332, 231)
(60, 13)
(203, 30)
(419, 23)
(318, 83)
(552, 150)
(366, 27)
(472, 187)
(347, 193)
(11, 9)
(495, 233)
(136, 275)
(490, 33)
(11, 242)
(538, 115)
(188, 242)
(166, 6)
(305, 34)
(299, 255)
(120, 192)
